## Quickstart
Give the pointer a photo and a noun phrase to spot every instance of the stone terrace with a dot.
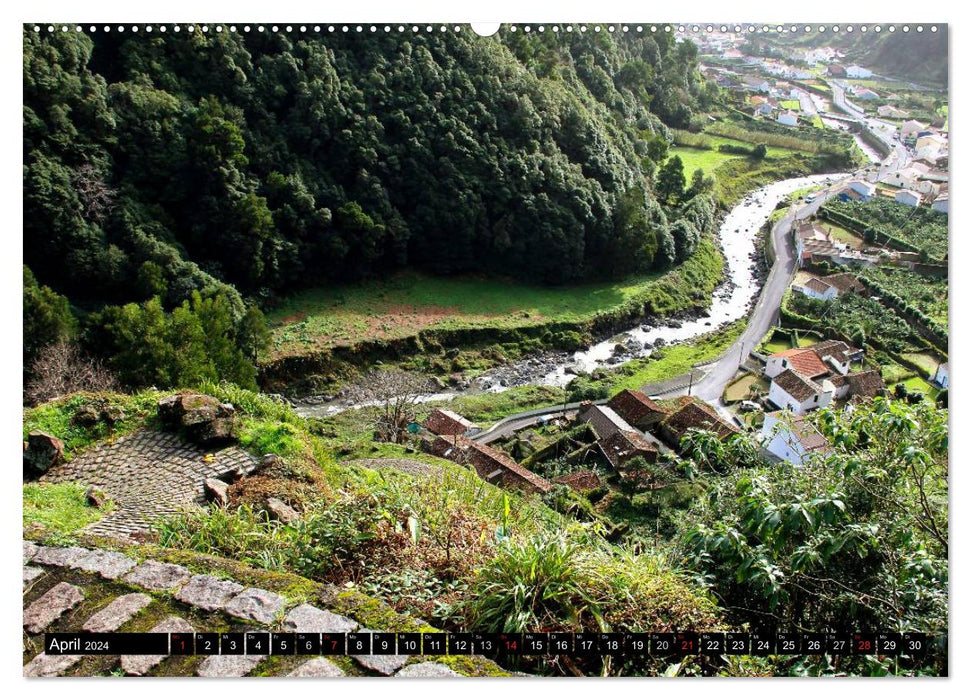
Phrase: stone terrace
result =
(148, 475)
(78, 589)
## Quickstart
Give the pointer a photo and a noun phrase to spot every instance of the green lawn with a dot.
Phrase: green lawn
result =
(926, 361)
(61, 509)
(403, 305)
(922, 386)
(709, 159)
(789, 104)
(844, 236)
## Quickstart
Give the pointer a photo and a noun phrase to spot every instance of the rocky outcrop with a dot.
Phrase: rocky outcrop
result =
(205, 420)
(281, 511)
(41, 452)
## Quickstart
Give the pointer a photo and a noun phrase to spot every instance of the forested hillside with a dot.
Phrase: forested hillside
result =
(163, 164)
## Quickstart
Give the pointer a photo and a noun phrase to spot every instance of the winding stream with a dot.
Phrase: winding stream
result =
(738, 236)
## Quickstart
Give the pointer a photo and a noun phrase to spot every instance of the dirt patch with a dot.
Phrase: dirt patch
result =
(408, 318)
(293, 318)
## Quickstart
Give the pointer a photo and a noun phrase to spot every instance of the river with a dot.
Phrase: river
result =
(732, 299)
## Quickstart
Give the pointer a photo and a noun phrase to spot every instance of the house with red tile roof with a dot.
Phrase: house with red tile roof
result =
(441, 421)
(637, 409)
(625, 445)
(693, 414)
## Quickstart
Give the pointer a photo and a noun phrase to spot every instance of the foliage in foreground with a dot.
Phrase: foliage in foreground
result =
(856, 540)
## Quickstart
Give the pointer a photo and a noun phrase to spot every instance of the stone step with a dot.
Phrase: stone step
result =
(140, 665)
(208, 592)
(157, 576)
(47, 666)
(228, 666)
(30, 549)
(30, 574)
(50, 606)
(109, 565)
(116, 613)
(59, 556)
(307, 618)
(428, 669)
(257, 605)
(385, 664)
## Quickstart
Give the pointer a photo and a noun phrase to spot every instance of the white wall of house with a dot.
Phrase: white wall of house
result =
(940, 205)
(788, 119)
(941, 376)
(782, 399)
(911, 199)
(830, 292)
(782, 442)
(775, 366)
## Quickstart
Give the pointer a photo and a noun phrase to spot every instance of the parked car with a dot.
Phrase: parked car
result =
(810, 198)
(748, 407)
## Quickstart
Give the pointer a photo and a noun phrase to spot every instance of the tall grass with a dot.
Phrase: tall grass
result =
(790, 141)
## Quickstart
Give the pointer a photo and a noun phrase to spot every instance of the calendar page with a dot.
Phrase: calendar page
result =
(448, 350)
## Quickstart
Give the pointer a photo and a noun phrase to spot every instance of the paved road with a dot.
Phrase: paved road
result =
(766, 311)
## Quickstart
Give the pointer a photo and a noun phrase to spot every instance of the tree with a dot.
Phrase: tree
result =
(253, 334)
(670, 183)
(397, 394)
(760, 151)
(699, 184)
(47, 318)
(61, 369)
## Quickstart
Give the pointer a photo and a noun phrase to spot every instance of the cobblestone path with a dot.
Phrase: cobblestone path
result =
(78, 589)
(148, 474)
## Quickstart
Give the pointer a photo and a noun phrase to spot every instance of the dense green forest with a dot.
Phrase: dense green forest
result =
(247, 165)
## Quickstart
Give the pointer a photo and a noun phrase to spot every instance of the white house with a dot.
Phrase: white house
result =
(906, 178)
(908, 197)
(932, 141)
(790, 390)
(940, 204)
(889, 111)
(867, 190)
(858, 72)
(792, 438)
(911, 127)
(816, 288)
(788, 118)
(866, 94)
(941, 376)
(755, 83)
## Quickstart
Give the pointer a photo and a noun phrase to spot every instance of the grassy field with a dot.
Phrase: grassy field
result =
(926, 361)
(409, 302)
(844, 236)
(709, 159)
(403, 305)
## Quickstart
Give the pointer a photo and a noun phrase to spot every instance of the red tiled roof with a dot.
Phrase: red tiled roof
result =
(625, 445)
(441, 421)
(633, 406)
(797, 386)
(868, 383)
(844, 282)
(604, 420)
(583, 480)
(699, 415)
(805, 361)
(501, 459)
(816, 285)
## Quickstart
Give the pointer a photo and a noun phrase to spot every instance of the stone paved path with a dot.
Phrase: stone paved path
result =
(148, 474)
(136, 585)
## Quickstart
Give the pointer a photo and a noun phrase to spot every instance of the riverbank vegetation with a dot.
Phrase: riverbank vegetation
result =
(667, 364)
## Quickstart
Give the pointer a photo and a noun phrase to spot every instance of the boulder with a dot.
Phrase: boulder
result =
(86, 415)
(95, 496)
(270, 462)
(217, 491)
(281, 511)
(206, 421)
(43, 452)
(113, 414)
